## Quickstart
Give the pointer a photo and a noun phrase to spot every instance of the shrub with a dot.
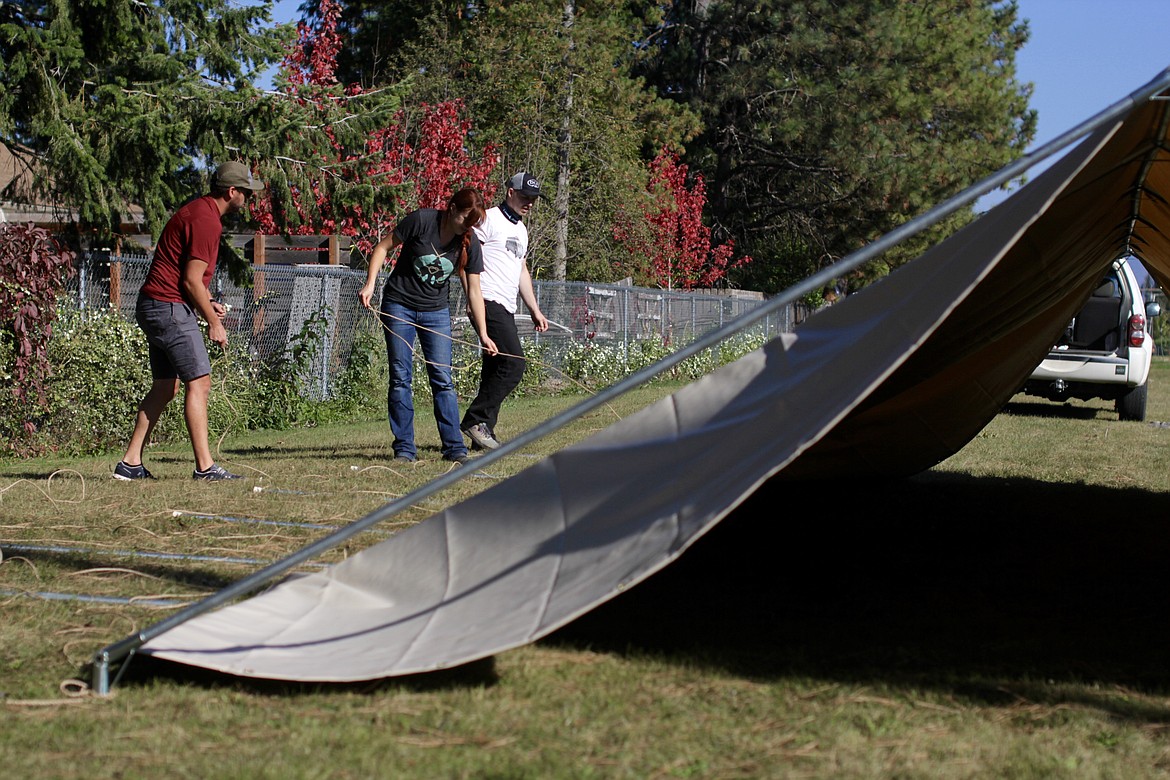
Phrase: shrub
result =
(101, 370)
(593, 365)
(33, 266)
(539, 371)
(359, 392)
(596, 365)
(282, 394)
(467, 364)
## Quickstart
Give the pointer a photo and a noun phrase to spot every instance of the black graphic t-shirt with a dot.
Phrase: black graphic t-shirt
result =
(421, 276)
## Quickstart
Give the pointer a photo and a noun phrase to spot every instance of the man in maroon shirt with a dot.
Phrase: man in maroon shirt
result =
(175, 291)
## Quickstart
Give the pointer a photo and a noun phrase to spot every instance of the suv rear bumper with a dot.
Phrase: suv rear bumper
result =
(1091, 368)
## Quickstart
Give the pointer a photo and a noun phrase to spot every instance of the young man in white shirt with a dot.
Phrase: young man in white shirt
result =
(505, 274)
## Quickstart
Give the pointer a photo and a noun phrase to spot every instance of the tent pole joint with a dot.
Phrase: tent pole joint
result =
(100, 678)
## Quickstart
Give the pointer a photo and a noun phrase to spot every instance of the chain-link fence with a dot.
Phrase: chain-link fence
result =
(288, 304)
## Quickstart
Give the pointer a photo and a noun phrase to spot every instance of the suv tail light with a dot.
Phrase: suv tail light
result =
(1137, 330)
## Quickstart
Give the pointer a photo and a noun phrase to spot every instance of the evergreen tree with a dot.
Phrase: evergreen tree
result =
(120, 102)
(829, 122)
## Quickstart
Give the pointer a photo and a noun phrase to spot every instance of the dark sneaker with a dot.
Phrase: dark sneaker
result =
(459, 457)
(214, 473)
(403, 460)
(482, 437)
(126, 472)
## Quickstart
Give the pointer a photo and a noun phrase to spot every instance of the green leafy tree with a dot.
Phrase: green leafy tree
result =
(829, 122)
(352, 160)
(119, 102)
(513, 65)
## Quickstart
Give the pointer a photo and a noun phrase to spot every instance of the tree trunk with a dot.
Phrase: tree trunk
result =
(564, 141)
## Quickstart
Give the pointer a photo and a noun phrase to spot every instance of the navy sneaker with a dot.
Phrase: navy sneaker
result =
(403, 460)
(127, 472)
(214, 473)
(458, 457)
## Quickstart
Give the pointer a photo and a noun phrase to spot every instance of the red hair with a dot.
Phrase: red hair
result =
(465, 199)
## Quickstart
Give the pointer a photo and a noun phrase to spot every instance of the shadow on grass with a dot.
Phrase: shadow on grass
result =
(145, 670)
(939, 581)
(188, 577)
(995, 591)
(39, 476)
(314, 451)
(1067, 411)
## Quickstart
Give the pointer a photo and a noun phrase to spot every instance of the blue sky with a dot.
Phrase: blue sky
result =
(1084, 55)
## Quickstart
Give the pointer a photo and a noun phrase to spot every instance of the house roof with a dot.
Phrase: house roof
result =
(19, 202)
(16, 180)
(9, 167)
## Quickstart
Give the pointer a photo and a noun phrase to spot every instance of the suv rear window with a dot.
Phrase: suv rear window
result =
(1097, 325)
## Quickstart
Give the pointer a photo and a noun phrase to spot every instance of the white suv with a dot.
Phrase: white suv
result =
(1105, 351)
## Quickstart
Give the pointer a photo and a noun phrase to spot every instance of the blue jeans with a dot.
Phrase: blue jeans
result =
(433, 329)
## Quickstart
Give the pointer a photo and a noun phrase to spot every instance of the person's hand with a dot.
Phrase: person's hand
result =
(489, 346)
(365, 294)
(539, 321)
(219, 309)
(217, 333)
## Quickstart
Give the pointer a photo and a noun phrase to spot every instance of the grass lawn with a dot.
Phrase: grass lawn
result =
(1004, 614)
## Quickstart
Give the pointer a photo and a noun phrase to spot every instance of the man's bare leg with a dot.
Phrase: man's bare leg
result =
(195, 411)
(150, 409)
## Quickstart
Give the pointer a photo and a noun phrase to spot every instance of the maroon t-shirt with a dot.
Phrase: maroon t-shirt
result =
(192, 232)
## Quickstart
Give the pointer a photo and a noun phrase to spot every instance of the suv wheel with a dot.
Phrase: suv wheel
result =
(1132, 405)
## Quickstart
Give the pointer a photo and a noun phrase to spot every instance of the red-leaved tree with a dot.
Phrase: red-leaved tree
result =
(668, 243)
(360, 166)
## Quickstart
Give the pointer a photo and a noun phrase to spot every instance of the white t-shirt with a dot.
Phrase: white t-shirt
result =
(505, 245)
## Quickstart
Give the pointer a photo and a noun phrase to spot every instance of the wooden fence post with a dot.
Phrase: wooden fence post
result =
(116, 277)
(258, 289)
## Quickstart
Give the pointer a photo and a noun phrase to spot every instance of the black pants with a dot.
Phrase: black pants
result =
(501, 373)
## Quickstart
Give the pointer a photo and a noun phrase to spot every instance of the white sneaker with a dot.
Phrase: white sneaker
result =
(482, 438)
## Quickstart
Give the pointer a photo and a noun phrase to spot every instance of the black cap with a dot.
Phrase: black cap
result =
(526, 184)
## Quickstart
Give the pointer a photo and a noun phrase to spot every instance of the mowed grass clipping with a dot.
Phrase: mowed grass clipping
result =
(1001, 615)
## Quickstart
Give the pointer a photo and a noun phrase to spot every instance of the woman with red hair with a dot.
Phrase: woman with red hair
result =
(436, 245)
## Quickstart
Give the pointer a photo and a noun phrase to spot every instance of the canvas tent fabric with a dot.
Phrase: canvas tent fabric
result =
(888, 382)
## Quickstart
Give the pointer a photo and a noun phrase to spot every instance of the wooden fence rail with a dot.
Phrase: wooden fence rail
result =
(259, 249)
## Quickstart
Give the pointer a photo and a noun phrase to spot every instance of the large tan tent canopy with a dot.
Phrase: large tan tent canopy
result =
(888, 382)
